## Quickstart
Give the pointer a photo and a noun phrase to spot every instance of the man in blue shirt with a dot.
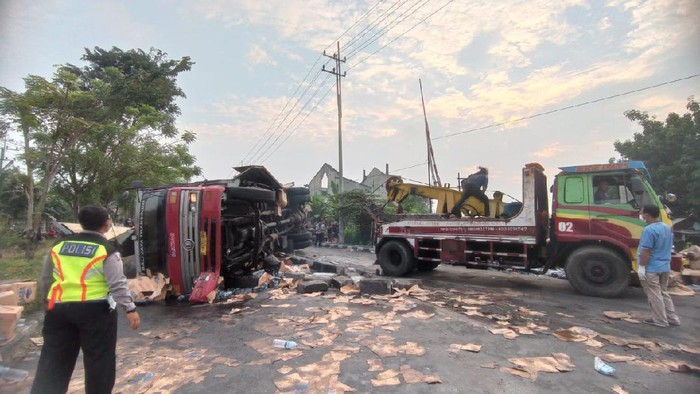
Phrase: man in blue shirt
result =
(654, 257)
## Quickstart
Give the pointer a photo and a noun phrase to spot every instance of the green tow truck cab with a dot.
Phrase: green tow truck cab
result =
(596, 226)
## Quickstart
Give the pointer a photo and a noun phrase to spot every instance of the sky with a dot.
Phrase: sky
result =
(505, 83)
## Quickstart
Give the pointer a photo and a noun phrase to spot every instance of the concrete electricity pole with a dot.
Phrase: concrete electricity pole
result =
(338, 75)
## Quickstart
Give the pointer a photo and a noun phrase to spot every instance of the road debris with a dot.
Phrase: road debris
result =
(602, 367)
(506, 332)
(529, 366)
(470, 347)
(617, 389)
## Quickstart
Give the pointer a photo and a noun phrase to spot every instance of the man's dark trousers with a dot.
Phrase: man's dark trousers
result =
(67, 328)
(471, 189)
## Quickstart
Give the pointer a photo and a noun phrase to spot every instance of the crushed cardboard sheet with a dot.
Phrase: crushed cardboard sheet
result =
(531, 366)
(321, 377)
(38, 341)
(578, 334)
(233, 311)
(401, 305)
(689, 349)
(383, 346)
(632, 343)
(612, 357)
(375, 365)
(420, 315)
(526, 313)
(285, 369)
(630, 317)
(363, 301)
(350, 289)
(241, 298)
(489, 365)
(146, 372)
(650, 365)
(229, 362)
(506, 332)
(617, 389)
(412, 376)
(145, 288)
(470, 347)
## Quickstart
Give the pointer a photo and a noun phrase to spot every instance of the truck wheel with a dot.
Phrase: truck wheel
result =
(300, 237)
(597, 271)
(297, 196)
(302, 244)
(256, 194)
(425, 266)
(396, 259)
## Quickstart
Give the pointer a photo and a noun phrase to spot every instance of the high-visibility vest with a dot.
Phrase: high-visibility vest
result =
(78, 269)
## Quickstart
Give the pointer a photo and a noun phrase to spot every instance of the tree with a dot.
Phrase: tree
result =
(51, 117)
(671, 152)
(137, 139)
(98, 128)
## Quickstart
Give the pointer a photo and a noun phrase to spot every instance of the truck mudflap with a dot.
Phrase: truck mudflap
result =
(205, 284)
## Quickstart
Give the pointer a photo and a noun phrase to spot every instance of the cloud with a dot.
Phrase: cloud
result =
(256, 55)
(551, 150)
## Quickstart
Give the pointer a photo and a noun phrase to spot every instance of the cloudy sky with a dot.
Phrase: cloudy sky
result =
(505, 83)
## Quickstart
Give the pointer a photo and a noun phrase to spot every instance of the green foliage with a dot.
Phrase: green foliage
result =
(670, 150)
(91, 131)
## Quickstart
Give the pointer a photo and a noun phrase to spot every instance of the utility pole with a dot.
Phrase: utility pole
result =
(338, 75)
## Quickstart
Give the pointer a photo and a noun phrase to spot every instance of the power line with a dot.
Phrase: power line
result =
(553, 111)
(370, 26)
(567, 107)
(266, 136)
(390, 26)
(401, 35)
(330, 88)
(292, 121)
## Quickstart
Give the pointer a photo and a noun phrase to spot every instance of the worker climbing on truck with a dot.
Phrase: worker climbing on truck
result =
(474, 185)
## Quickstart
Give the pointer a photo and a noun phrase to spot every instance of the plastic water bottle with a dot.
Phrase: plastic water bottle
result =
(282, 344)
(12, 375)
(602, 367)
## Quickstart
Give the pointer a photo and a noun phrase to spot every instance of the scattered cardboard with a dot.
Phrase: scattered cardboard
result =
(530, 366)
(470, 347)
(149, 288)
(506, 332)
(617, 389)
(689, 349)
(9, 297)
(420, 315)
(9, 315)
(374, 365)
(350, 289)
(25, 290)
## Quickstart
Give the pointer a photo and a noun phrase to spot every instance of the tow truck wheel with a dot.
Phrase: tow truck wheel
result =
(396, 259)
(597, 271)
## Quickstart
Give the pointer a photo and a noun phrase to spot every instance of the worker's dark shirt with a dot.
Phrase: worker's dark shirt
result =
(478, 179)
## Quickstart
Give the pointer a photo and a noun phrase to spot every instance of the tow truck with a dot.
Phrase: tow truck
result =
(591, 233)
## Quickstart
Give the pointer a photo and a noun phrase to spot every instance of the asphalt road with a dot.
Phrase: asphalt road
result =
(352, 343)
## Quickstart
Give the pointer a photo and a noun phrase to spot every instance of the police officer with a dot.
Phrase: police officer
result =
(86, 281)
(474, 185)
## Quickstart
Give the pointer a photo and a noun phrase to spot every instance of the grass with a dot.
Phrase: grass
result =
(14, 266)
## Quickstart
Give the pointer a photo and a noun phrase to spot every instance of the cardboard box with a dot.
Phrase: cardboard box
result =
(25, 290)
(8, 320)
(8, 297)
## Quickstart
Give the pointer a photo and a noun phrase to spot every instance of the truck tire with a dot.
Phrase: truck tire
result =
(396, 258)
(302, 244)
(299, 237)
(426, 266)
(597, 271)
(255, 194)
(297, 196)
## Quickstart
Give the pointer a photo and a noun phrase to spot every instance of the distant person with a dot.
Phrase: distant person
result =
(83, 281)
(319, 232)
(654, 258)
(128, 222)
(474, 185)
(601, 194)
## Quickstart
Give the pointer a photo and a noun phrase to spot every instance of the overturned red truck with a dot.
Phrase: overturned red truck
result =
(195, 233)
(593, 231)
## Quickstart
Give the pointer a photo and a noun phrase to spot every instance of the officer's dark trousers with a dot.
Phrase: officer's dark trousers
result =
(69, 327)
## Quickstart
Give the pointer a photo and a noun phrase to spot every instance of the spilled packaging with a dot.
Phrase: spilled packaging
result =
(25, 290)
(9, 315)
